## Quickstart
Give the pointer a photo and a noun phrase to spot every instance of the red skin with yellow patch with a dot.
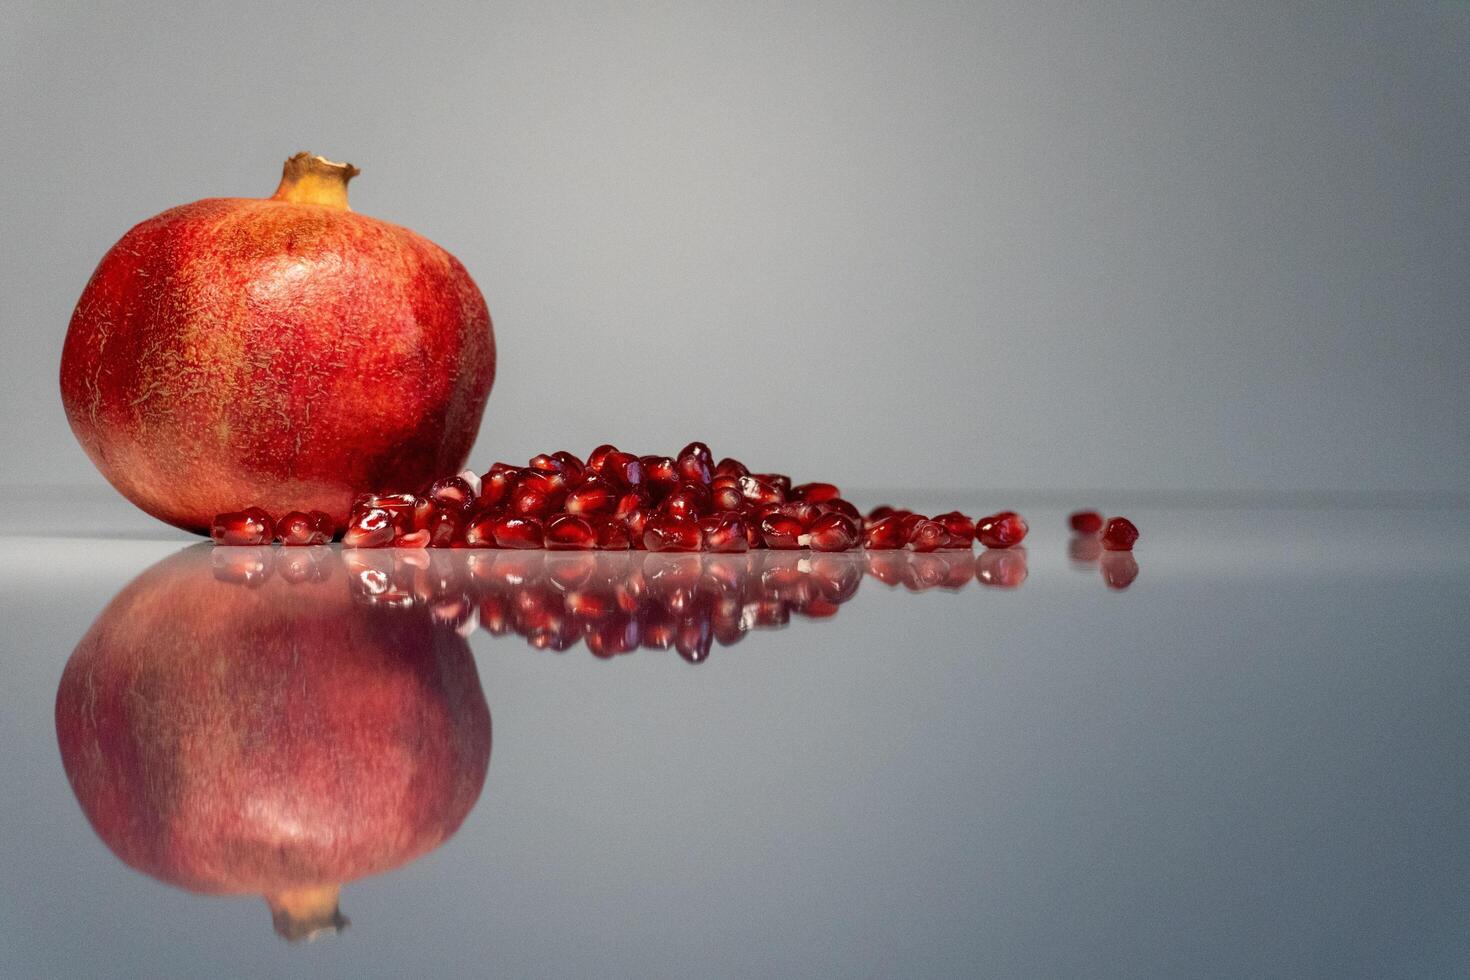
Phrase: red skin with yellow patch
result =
(236, 352)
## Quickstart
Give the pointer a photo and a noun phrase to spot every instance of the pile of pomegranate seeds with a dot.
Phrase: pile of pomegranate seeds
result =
(616, 501)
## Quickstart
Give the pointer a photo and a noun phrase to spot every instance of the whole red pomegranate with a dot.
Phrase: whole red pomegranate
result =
(282, 352)
(275, 738)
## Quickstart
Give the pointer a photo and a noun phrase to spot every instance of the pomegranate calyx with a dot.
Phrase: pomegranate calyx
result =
(310, 179)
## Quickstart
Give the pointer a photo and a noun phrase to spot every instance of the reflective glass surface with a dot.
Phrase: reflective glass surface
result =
(1239, 751)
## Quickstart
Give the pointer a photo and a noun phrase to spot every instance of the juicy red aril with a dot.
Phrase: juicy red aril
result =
(480, 531)
(839, 506)
(731, 467)
(760, 492)
(781, 533)
(1119, 535)
(496, 486)
(669, 533)
(592, 496)
(399, 506)
(960, 527)
(530, 502)
(452, 493)
(725, 533)
(690, 500)
(623, 469)
(636, 521)
(726, 496)
(815, 493)
(927, 536)
(833, 532)
(699, 451)
(570, 464)
(693, 468)
(1003, 530)
(512, 531)
(370, 528)
(1085, 521)
(444, 528)
(247, 527)
(569, 532)
(886, 534)
(611, 534)
(658, 473)
(413, 539)
(296, 528)
(598, 456)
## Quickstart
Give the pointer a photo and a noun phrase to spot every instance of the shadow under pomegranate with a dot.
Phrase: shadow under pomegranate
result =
(278, 740)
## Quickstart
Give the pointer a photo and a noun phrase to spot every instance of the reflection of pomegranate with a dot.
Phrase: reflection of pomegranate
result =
(272, 740)
(282, 352)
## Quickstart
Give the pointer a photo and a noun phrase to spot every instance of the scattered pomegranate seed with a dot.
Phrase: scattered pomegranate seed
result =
(452, 494)
(512, 531)
(1119, 535)
(885, 534)
(781, 533)
(927, 536)
(297, 529)
(1004, 530)
(725, 533)
(961, 528)
(1085, 521)
(369, 528)
(815, 493)
(592, 496)
(480, 531)
(612, 534)
(667, 532)
(569, 532)
(833, 532)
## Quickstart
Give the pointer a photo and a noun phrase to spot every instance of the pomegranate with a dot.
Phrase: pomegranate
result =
(1004, 530)
(1119, 535)
(285, 352)
(209, 751)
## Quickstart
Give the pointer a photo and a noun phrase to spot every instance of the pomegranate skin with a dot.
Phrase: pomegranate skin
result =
(276, 352)
(209, 751)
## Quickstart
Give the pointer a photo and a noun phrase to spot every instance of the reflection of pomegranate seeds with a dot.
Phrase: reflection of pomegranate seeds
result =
(1086, 521)
(1119, 569)
(1004, 530)
(1001, 568)
(1119, 535)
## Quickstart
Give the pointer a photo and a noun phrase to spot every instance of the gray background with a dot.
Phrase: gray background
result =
(1136, 246)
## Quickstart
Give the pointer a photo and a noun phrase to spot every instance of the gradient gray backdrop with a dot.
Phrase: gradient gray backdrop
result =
(1030, 245)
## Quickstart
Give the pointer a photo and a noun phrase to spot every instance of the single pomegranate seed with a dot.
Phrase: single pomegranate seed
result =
(1119, 569)
(928, 536)
(1086, 521)
(1119, 535)
(690, 500)
(452, 494)
(833, 532)
(370, 528)
(636, 521)
(592, 496)
(513, 531)
(1001, 568)
(699, 451)
(667, 532)
(570, 465)
(658, 474)
(569, 532)
(399, 505)
(530, 502)
(886, 534)
(726, 495)
(623, 469)
(880, 512)
(961, 528)
(781, 533)
(546, 463)
(496, 486)
(598, 457)
(413, 539)
(251, 526)
(815, 493)
(480, 531)
(908, 520)
(444, 527)
(731, 467)
(1003, 530)
(297, 529)
(839, 506)
(760, 492)
(612, 534)
(725, 533)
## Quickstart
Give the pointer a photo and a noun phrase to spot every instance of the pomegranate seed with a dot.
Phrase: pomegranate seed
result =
(400, 506)
(636, 521)
(781, 533)
(833, 532)
(546, 463)
(530, 502)
(961, 528)
(690, 500)
(592, 496)
(880, 512)
(612, 534)
(839, 506)
(480, 531)
(297, 529)
(927, 536)
(569, 532)
(598, 456)
(1085, 521)
(658, 474)
(1003, 530)
(512, 531)
(444, 528)
(1119, 535)
(667, 532)
(908, 520)
(815, 493)
(1119, 569)
(699, 451)
(726, 496)
(370, 528)
(760, 492)
(496, 486)
(623, 469)
(725, 533)
(413, 539)
(570, 464)
(886, 534)
(452, 494)
(731, 467)
(1001, 568)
